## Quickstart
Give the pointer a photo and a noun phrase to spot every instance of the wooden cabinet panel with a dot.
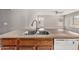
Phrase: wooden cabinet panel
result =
(27, 42)
(27, 48)
(44, 48)
(38, 43)
(8, 41)
(8, 48)
(45, 43)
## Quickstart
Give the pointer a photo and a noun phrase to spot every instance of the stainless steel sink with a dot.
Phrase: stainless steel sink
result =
(42, 32)
(36, 33)
(30, 32)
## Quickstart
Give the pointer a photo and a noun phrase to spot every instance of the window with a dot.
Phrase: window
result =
(76, 20)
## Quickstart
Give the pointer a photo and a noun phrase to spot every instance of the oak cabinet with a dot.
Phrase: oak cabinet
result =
(8, 41)
(45, 42)
(27, 43)
(27, 48)
(8, 48)
(44, 48)
(8, 44)
(36, 43)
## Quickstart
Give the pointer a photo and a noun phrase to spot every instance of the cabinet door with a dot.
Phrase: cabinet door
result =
(8, 41)
(35, 43)
(8, 48)
(45, 44)
(27, 42)
(65, 44)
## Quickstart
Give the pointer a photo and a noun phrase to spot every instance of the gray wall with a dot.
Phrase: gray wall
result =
(21, 19)
(5, 21)
(14, 19)
(53, 21)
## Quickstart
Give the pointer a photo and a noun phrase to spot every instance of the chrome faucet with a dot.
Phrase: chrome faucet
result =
(37, 21)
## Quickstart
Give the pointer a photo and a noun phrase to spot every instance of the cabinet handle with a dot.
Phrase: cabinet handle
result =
(73, 42)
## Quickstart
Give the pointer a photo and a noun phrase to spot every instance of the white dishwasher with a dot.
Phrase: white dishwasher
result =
(65, 44)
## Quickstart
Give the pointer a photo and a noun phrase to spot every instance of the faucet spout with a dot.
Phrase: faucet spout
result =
(33, 22)
(36, 24)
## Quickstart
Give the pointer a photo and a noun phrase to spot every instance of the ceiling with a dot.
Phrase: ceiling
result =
(54, 11)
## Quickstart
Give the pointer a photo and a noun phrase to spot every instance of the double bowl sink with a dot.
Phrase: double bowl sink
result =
(34, 32)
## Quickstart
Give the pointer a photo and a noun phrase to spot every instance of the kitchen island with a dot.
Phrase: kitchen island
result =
(15, 40)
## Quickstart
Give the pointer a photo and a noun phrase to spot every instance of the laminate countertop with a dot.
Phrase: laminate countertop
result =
(57, 35)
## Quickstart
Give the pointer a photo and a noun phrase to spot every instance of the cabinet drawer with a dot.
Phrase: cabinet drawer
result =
(8, 48)
(8, 41)
(27, 42)
(45, 43)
